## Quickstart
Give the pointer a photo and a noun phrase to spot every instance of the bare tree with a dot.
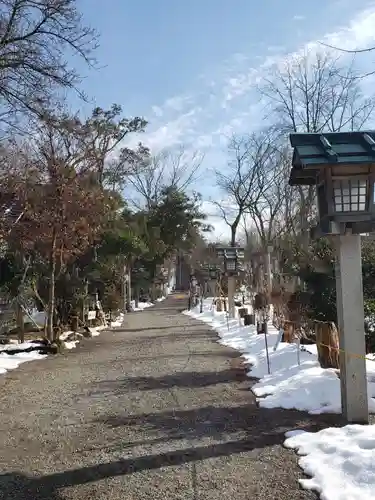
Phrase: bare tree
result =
(244, 180)
(267, 214)
(176, 168)
(314, 93)
(36, 39)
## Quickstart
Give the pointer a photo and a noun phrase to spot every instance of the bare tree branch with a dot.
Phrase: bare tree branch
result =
(243, 181)
(177, 168)
(348, 51)
(313, 93)
(36, 39)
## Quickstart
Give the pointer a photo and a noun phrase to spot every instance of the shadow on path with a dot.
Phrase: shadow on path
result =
(121, 433)
(17, 486)
(145, 329)
(179, 379)
(262, 427)
(194, 424)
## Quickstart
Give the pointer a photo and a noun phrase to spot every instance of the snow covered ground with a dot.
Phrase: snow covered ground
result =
(305, 386)
(144, 305)
(11, 361)
(94, 331)
(118, 321)
(141, 305)
(341, 462)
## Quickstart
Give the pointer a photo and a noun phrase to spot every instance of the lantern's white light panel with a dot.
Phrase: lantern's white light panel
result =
(350, 195)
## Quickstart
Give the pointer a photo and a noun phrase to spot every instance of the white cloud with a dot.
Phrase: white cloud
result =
(359, 34)
(225, 99)
(275, 48)
(204, 141)
(298, 17)
(170, 134)
(157, 111)
(221, 230)
(177, 103)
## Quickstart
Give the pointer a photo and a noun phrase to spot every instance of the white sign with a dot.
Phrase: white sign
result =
(279, 337)
(91, 315)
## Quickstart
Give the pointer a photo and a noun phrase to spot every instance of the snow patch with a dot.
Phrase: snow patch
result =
(11, 361)
(341, 462)
(141, 305)
(118, 321)
(304, 386)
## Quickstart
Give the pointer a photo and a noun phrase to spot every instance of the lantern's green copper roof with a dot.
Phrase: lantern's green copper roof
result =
(312, 151)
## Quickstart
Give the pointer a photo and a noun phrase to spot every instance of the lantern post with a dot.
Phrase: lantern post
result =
(342, 167)
(233, 258)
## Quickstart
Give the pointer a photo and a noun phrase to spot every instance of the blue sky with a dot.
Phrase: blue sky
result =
(191, 67)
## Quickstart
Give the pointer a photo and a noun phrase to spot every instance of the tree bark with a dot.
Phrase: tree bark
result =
(20, 322)
(327, 342)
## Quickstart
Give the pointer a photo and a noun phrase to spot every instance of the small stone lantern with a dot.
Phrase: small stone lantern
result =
(213, 273)
(233, 257)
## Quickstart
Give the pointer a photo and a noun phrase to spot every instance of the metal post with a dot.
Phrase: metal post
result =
(268, 271)
(129, 283)
(266, 345)
(125, 285)
(298, 344)
(180, 271)
(350, 315)
(231, 293)
(84, 301)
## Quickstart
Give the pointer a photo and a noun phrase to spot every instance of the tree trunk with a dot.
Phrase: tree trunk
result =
(233, 231)
(84, 300)
(289, 335)
(305, 208)
(20, 323)
(51, 290)
(327, 343)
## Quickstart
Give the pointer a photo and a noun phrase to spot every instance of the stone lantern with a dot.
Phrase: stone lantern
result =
(341, 165)
(233, 258)
(233, 264)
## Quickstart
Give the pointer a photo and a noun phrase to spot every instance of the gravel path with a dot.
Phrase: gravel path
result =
(154, 410)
